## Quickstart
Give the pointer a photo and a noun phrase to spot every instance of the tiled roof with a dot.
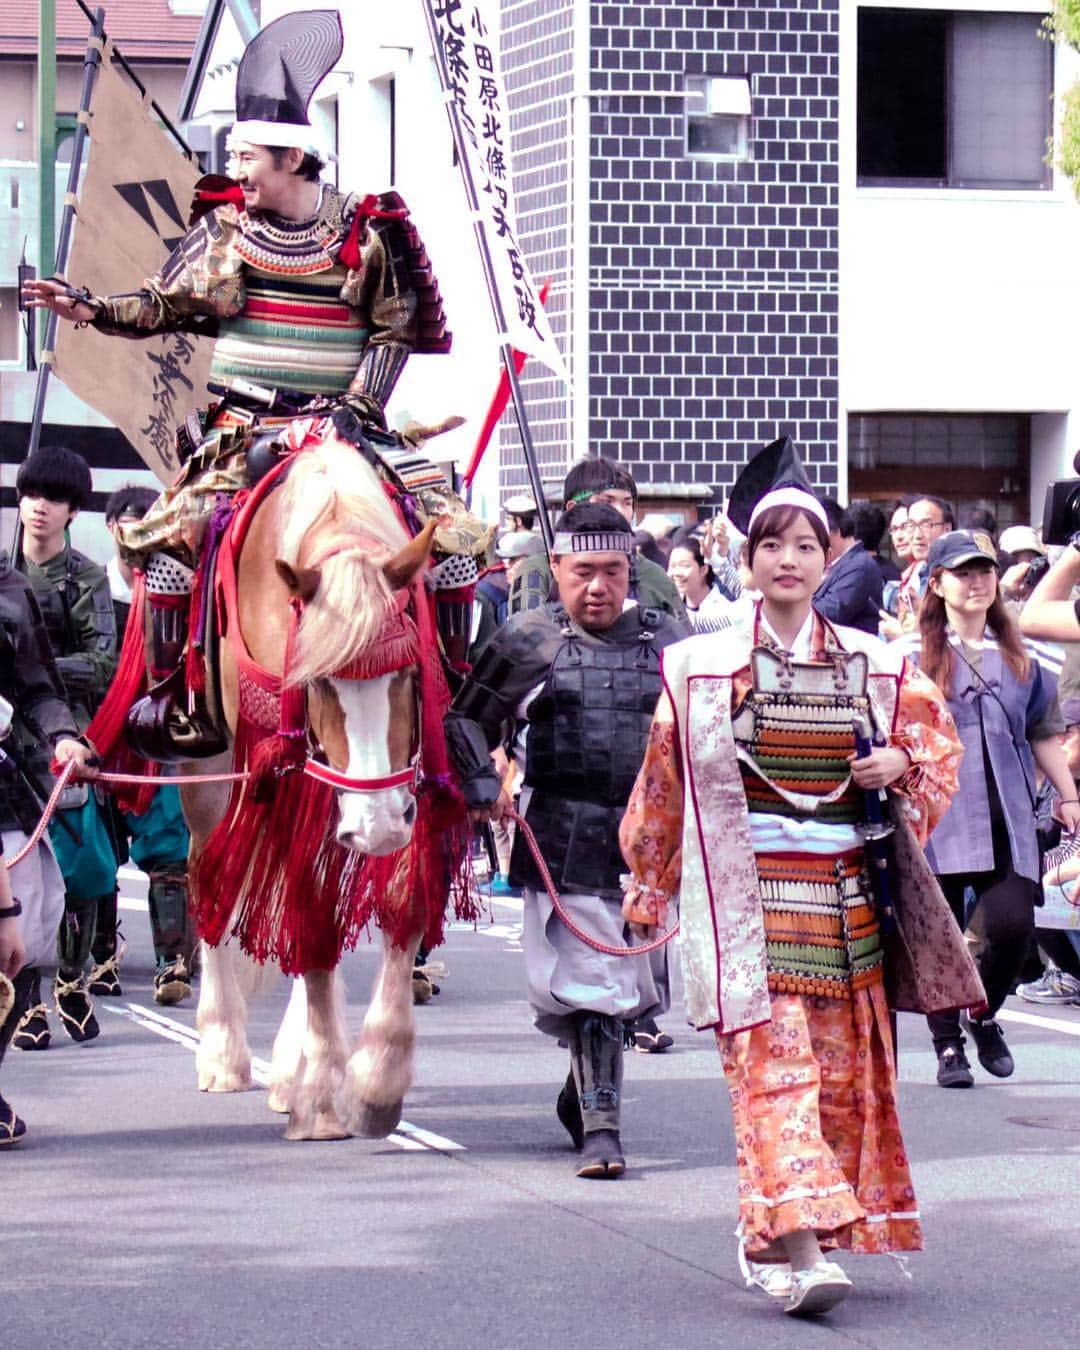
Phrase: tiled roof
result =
(142, 29)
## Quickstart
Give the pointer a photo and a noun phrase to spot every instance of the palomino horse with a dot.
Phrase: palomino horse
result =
(325, 545)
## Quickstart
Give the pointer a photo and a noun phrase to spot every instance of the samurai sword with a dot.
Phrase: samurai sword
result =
(875, 830)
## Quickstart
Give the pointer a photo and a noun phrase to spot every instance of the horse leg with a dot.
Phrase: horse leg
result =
(223, 1060)
(379, 1073)
(312, 1114)
(288, 1053)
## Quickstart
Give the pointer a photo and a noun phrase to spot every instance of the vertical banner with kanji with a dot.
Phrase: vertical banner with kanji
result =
(467, 36)
(130, 214)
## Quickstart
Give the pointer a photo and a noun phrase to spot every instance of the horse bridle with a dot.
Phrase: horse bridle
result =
(393, 650)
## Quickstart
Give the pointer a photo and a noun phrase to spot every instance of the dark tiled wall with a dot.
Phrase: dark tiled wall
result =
(713, 286)
(537, 56)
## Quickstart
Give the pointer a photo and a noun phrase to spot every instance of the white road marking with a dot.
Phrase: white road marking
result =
(1034, 1020)
(409, 1137)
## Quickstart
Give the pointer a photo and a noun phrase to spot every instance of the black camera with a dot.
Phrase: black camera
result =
(1037, 569)
(1061, 511)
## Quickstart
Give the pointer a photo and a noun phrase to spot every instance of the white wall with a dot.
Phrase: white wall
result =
(392, 40)
(960, 301)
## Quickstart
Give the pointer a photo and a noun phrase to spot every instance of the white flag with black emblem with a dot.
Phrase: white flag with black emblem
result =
(466, 35)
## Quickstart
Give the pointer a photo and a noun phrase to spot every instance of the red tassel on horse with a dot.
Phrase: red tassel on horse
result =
(129, 683)
(287, 749)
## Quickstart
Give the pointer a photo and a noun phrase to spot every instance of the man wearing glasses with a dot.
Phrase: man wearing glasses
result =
(927, 518)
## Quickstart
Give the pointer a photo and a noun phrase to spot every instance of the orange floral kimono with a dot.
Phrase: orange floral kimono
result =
(780, 948)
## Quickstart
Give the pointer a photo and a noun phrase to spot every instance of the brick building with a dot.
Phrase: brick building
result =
(676, 169)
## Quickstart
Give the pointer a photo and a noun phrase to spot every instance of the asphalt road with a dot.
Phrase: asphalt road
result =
(142, 1213)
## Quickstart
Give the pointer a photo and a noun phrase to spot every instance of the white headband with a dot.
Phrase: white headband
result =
(790, 496)
(593, 541)
(287, 134)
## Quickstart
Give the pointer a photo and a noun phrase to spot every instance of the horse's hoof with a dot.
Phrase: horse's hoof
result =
(278, 1098)
(325, 1125)
(376, 1122)
(217, 1079)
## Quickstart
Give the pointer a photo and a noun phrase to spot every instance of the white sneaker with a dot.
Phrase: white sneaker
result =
(817, 1289)
(771, 1277)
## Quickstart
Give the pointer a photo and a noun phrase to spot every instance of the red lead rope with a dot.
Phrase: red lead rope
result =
(369, 785)
(541, 866)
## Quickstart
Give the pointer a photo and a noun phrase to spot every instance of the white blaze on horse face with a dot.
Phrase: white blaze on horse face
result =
(371, 822)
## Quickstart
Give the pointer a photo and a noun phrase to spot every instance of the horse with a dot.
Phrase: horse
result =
(316, 635)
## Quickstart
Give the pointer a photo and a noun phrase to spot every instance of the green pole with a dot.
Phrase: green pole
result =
(46, 117)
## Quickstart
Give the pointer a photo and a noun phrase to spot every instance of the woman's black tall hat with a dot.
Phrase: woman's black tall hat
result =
(771, 471)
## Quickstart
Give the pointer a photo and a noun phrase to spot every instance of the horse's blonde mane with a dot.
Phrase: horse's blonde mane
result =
(331, 493)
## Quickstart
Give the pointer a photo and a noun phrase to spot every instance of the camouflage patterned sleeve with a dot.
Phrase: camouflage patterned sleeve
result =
(202, 279)
(86, 673)
(34, 672)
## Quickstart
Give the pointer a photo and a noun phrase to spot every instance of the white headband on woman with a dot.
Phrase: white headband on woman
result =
(790, 496)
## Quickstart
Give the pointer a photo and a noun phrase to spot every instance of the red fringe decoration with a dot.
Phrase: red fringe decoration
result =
(275, 868)
(129, 682)
(294, 894)
(195, 665)
(106, 731)
(287, 749)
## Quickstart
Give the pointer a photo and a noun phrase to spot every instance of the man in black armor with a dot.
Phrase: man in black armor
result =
(582, 676)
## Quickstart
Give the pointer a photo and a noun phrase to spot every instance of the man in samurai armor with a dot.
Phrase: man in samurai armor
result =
(569, 689)
(35, 724)
(53, 485)
(596, 479)
(315, 299)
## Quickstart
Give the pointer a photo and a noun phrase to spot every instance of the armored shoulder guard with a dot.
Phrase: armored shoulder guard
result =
(408, 257)
(664, 626)
(516, 660)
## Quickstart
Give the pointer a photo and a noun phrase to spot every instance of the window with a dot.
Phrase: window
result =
(953, 99)
(13, 193)
(717, 117)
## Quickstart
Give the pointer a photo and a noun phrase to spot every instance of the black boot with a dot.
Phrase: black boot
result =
(32, 1026)
(14, 1001)
(568, 1109)
(174, 936)
(104, 980)
(73, 1001)
(596, 1059)
(170, 725)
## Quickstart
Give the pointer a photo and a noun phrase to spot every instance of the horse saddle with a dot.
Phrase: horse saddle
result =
(162, 729)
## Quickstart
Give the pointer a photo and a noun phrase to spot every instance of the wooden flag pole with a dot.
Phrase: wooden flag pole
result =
(91, 62)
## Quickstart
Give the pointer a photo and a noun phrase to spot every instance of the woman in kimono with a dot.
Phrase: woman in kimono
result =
(747, 806)
(1006, 711)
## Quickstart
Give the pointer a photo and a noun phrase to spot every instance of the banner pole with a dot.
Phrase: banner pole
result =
(506, 351)
(91, 62)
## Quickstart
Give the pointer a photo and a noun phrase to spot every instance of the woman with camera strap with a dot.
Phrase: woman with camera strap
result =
(1005, 705)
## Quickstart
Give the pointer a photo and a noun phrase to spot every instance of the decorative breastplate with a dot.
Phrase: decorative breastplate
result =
(287, 247)
(793, 734)
(294, 333)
